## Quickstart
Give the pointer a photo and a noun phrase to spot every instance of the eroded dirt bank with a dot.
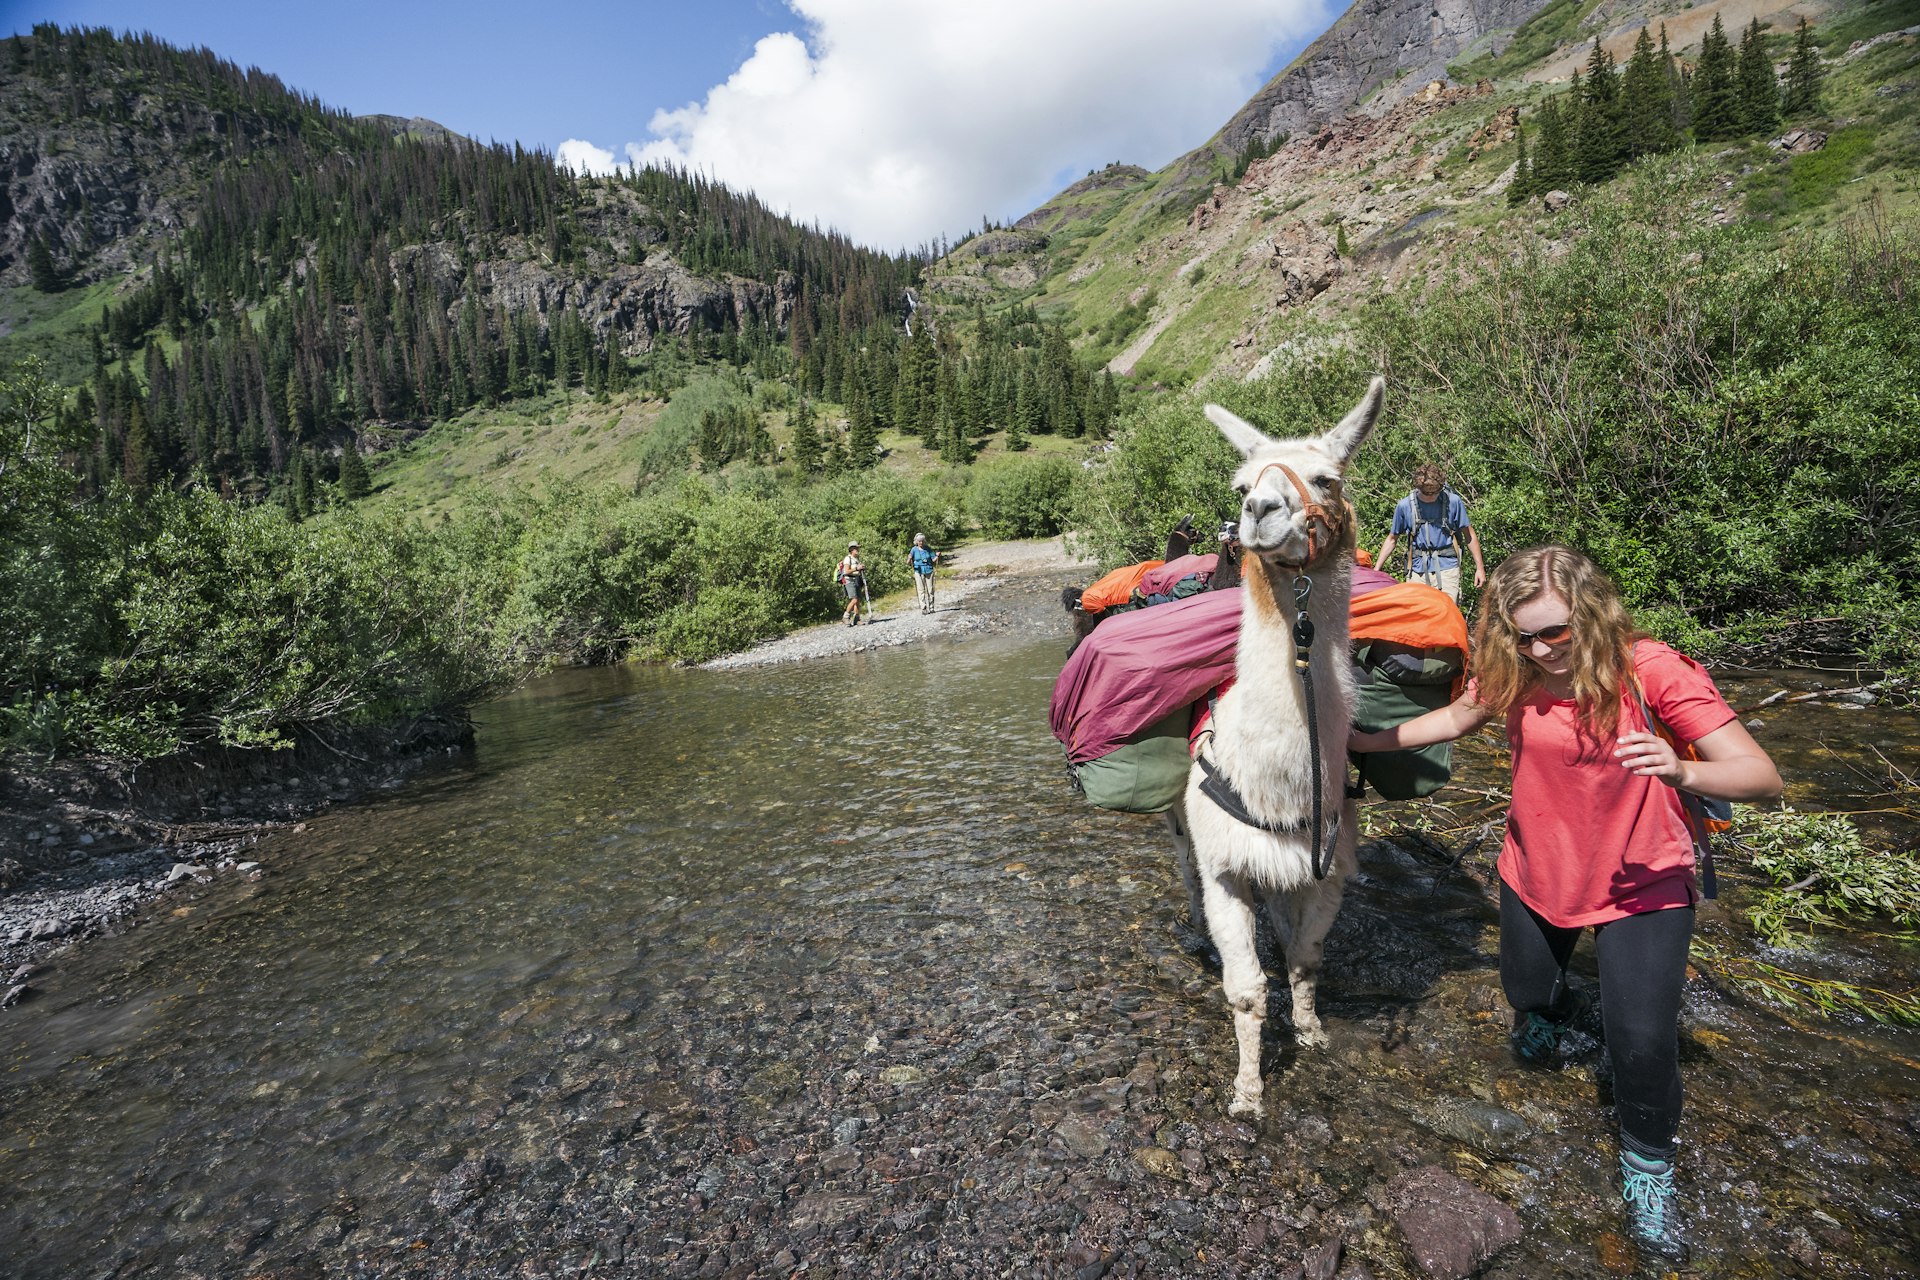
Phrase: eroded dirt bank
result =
(86, 844)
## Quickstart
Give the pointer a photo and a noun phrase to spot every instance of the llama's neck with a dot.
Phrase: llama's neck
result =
(1260, 730)
(1268, 613)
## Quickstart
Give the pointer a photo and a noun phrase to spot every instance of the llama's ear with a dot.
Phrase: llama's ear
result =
(1240, 433)
(1344, 440)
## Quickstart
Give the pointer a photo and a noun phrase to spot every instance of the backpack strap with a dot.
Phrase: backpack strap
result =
(1445, 525)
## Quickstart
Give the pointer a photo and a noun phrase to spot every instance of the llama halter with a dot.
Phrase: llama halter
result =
(1322, 524)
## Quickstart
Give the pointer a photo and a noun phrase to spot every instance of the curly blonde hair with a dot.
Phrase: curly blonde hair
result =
(1603, 635)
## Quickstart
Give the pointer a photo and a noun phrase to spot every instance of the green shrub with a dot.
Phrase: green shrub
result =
(671, 441)
(1829, 872)
(1168, 462)
(1023, 497)
(237, 625)
(723, 620)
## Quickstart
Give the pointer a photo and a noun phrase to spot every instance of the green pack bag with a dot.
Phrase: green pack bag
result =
(1145, 775)
(1393, 684)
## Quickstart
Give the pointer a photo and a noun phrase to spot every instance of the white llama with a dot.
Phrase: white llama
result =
(1279, 735)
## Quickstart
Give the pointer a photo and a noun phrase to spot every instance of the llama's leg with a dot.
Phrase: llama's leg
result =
(1229, 908)
(1301, 918)
(1183, 855)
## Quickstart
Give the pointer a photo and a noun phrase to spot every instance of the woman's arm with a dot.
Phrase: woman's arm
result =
(1455, 720)
(1732, 766)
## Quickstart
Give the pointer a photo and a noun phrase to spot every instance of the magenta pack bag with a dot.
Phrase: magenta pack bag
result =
(1135, 669)
(1123, 704)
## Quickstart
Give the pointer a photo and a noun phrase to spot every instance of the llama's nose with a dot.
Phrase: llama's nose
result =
(1258, 504)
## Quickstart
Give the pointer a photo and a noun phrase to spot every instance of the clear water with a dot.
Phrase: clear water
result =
(822, 967)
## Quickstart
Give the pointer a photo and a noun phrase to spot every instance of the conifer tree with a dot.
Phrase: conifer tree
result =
(355, 484)
(1804, 72)
(1026, 408)
(1016, 436)
(1522, 185)
(806, 440)
(863, 437)
(1677, 89)
(1553, 157)
(137, 462)
(300, 487)
(1759, 90)
(1646, 101)
(954, 449)
(40, 266)
(1715, 94)
(1599, 138)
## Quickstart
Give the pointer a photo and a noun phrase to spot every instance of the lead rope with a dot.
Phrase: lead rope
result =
(1303, 663)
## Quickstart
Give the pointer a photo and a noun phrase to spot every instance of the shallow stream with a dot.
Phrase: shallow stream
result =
(821, 968)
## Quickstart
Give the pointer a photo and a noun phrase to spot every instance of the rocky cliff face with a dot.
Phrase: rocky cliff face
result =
(626, 306)
(104, 192)
(1405, 43)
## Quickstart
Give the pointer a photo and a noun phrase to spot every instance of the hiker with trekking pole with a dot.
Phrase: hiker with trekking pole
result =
(1625, 757)
(924, 558)
(1433, 518)
(851, 574)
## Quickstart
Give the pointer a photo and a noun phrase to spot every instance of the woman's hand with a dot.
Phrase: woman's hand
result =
(1650, 756)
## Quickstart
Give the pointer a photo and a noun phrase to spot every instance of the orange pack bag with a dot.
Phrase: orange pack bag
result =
(1117, 587)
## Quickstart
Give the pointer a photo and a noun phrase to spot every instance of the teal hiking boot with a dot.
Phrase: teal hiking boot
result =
(1653, 1205)
(1536, 1036)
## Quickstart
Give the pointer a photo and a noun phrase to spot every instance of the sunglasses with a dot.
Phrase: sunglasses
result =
(1556, 634)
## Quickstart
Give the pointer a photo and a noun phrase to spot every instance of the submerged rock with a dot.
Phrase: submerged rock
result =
(1485, 1125)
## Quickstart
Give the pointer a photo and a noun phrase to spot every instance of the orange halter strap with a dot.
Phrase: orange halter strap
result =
(1322, 524)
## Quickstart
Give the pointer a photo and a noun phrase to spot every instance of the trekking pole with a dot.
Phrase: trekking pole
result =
(868, 593)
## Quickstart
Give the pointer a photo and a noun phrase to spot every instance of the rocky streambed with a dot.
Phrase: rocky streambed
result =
(820, 969)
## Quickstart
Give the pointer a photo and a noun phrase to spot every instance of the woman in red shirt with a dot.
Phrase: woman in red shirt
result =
(1596, 836)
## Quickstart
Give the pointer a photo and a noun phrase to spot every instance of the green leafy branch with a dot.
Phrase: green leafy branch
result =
(1823, 871)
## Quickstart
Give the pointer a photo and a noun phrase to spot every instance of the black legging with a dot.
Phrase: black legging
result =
(1643, 963)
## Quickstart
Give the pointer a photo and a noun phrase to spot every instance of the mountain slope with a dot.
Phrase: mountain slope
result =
(1383, 181)
(282, 277)
(1397, 44)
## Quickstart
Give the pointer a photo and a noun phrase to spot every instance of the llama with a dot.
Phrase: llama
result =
(1297, 536)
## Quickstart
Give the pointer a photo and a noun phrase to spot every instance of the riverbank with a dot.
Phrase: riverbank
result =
(87, 845)
(963, 591)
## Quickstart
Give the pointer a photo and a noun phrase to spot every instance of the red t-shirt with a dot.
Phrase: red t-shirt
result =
(1587, 841)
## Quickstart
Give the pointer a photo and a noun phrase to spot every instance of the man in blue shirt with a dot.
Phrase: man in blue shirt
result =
(1436, 517)
(924, 558)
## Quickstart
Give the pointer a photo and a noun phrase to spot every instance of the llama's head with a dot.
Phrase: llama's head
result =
(1292, 510)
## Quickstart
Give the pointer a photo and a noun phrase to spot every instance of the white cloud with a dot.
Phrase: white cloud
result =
(898, 120)
(584, 157)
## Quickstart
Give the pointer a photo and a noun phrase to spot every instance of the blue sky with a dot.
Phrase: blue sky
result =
(895, 120)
